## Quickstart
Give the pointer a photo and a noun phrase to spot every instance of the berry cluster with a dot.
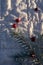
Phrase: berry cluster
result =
(17, 21)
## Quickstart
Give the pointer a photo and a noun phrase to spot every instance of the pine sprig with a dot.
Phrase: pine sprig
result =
(22, 40)
(24, 44)
(21, 58)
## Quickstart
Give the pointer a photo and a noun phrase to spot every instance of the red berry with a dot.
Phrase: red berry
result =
(33, 39)
(32, 54)
(36, 9)
(17, 20)
(14, 25)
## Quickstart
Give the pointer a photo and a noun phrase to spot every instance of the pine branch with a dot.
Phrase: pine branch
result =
(22, 40)
(24, 43)
(21, 57)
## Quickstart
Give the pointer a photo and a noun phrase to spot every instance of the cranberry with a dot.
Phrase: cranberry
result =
(33, 38)
(14, 25)
(36, 9)
(32, 54)
(18, 20)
